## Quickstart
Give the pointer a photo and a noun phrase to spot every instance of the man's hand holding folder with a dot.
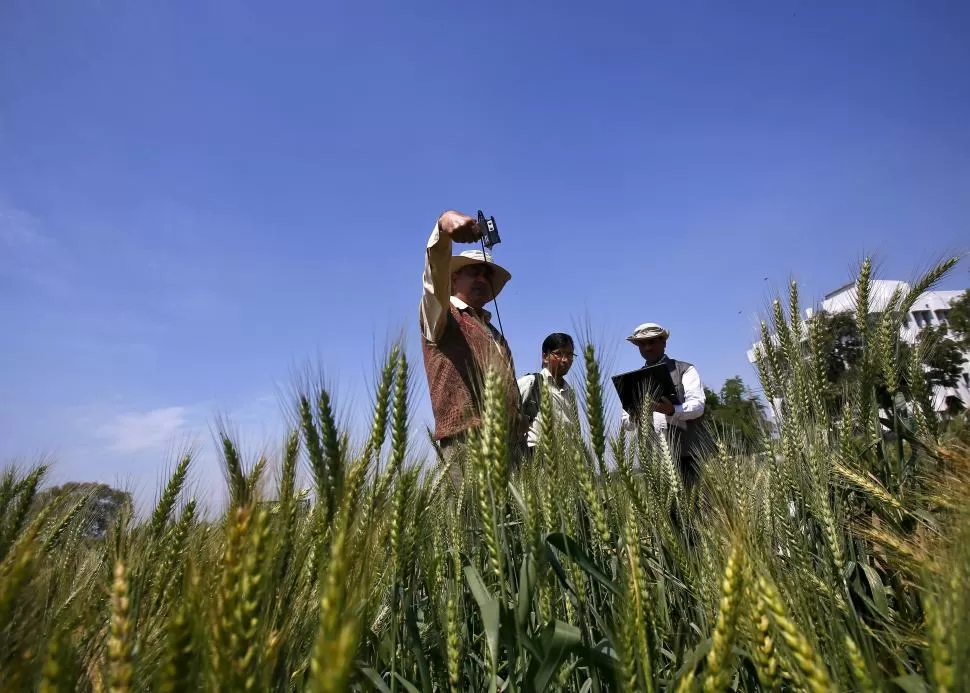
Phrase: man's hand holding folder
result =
(651, 383)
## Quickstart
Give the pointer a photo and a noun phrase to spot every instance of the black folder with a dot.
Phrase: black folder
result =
(651, 382)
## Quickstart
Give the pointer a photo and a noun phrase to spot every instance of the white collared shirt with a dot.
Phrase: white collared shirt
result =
(563, 403)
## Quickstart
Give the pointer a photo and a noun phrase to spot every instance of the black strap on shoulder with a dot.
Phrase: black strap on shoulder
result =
(530, 405)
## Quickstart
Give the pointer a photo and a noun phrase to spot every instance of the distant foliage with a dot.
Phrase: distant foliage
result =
(832, 557)
(737, 414)
(959, 320)
(941, 355)
(102, 504)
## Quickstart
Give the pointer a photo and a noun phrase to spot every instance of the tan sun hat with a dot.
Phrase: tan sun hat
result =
(648, 330)
(477, 257)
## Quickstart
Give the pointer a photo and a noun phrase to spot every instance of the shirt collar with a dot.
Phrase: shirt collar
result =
(461, 305)
(548, 376)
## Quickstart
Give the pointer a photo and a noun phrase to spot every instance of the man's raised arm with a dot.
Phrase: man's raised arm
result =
(437, 284)
(436, 279)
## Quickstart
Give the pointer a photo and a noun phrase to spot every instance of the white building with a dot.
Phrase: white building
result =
(930, 309)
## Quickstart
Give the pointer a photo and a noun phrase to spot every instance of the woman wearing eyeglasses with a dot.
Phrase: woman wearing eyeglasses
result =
(558, 353)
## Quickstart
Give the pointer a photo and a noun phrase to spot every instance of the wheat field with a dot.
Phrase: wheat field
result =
(834, 557)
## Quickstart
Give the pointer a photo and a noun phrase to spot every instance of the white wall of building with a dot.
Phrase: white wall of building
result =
(929, 310)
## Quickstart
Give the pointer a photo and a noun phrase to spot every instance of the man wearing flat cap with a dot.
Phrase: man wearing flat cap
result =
(680, 421)
(459, 340)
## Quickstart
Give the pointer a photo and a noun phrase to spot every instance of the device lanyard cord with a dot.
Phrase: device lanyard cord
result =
(491, 283)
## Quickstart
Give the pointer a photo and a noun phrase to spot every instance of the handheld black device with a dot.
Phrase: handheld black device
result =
(489, 230)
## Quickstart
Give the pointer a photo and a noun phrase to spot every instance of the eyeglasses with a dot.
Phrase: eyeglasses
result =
(566, 356)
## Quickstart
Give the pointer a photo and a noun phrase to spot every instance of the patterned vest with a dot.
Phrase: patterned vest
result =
(690, 436)
(455, 367)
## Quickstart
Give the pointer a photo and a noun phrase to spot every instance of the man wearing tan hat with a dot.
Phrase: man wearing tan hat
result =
(459, 340)
(681, 421)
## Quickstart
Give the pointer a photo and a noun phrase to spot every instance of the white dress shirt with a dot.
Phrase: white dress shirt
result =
(691, 408)
(563, 403)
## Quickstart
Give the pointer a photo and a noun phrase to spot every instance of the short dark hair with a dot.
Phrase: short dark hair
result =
(557, 340)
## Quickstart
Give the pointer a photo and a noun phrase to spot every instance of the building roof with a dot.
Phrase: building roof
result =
(844, 299)
(880, 291)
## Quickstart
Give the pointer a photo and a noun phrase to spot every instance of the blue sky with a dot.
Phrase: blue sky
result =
(199, 199)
